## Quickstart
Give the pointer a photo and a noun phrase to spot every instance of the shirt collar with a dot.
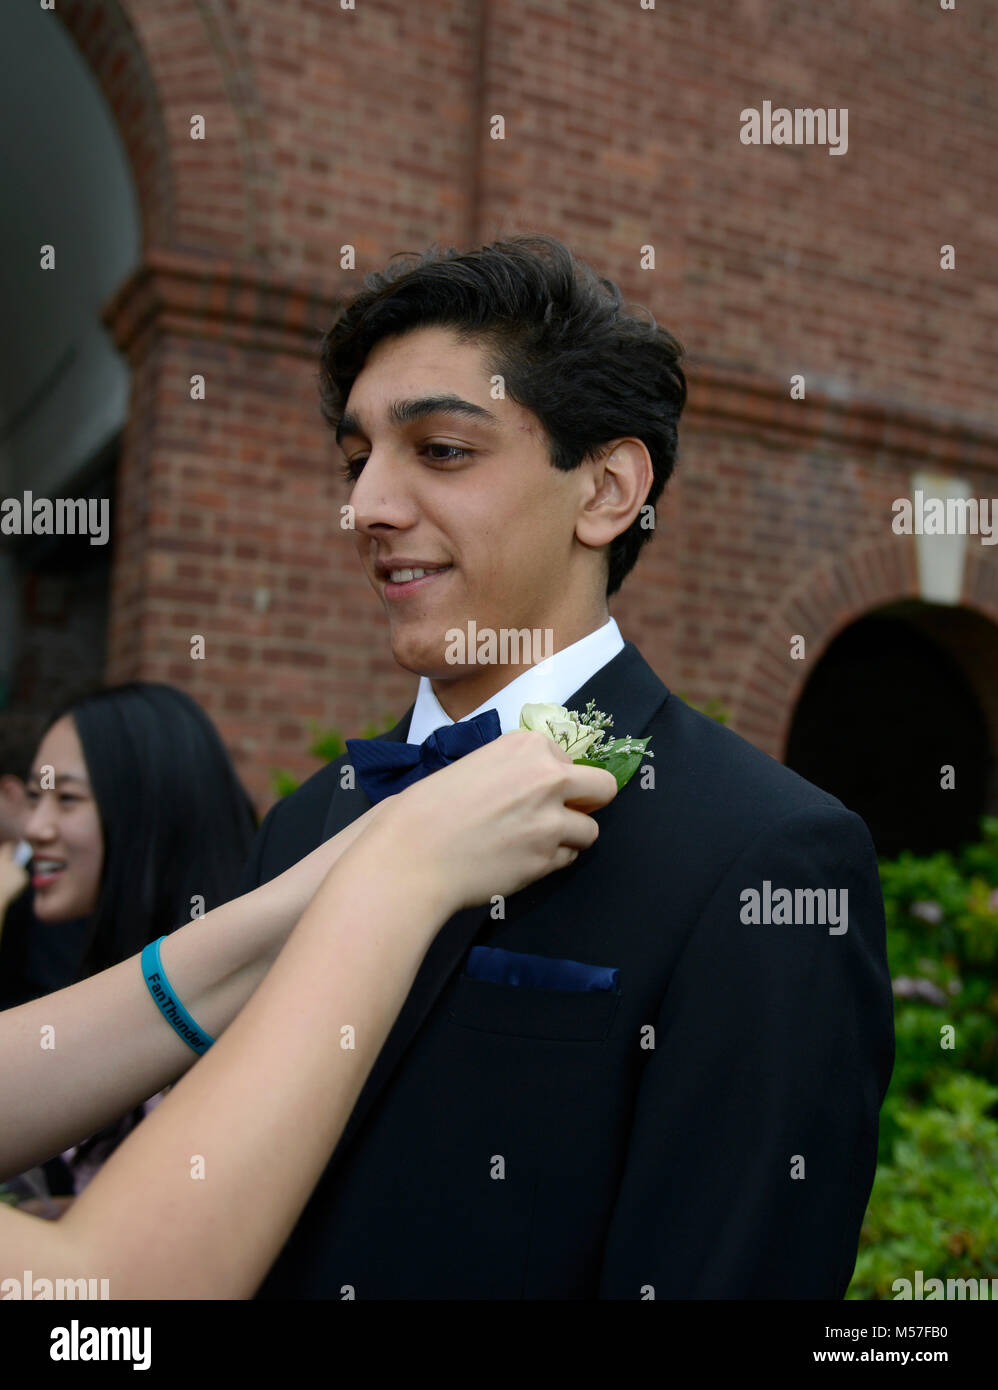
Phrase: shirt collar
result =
(548, 682)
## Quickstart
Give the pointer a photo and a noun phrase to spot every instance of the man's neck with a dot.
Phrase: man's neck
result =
(460, 694)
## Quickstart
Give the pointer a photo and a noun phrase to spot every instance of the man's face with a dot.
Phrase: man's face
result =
(472, 496)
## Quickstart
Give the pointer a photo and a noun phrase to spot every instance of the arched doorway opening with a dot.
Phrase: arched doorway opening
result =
(896, 697)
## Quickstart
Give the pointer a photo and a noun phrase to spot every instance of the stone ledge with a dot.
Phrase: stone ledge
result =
(220, 300)
(740, 402)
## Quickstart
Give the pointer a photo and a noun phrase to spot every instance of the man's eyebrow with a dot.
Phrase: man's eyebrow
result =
(405, 412)
(62, 777)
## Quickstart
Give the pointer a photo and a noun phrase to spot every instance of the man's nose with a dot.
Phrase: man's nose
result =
(382, 494)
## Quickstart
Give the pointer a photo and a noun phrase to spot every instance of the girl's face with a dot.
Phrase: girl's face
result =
(63, 828)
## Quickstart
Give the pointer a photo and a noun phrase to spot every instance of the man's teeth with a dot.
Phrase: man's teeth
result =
(49, 866)
(403, 576)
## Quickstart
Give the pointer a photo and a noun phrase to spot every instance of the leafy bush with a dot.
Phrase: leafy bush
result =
(934, 1207)
(934, 1204)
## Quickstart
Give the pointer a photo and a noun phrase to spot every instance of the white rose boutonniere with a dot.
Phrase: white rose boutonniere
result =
(582, 737)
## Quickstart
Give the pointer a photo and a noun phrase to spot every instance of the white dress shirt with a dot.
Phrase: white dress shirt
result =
(548, 682)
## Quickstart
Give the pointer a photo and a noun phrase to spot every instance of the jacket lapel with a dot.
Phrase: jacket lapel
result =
(626, 688)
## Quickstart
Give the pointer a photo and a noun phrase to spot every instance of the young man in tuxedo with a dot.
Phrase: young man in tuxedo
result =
(690, 1110)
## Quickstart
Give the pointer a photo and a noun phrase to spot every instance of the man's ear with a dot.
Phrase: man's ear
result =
(620, 481)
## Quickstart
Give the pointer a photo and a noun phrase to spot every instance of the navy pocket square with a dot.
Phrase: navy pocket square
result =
(537, 972)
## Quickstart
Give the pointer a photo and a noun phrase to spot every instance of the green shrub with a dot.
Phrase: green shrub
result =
(934, 1204)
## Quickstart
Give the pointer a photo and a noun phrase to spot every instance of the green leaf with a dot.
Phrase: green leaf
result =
(622, 765)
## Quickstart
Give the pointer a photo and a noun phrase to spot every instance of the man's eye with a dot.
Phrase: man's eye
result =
(454, 451)
(352, 468)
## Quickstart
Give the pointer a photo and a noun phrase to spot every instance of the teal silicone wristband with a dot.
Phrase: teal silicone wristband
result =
(167, 1002)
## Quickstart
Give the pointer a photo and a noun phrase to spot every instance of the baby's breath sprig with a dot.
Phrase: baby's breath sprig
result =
(592, 718)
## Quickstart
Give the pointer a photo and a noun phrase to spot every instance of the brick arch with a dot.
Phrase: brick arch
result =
(832, 595)
(193, 197)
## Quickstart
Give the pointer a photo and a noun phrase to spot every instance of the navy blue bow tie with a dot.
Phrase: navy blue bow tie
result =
(384, 768)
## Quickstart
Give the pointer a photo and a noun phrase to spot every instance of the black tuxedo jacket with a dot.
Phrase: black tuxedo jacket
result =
(708, 1129)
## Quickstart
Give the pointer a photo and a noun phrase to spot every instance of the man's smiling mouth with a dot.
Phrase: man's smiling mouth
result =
(402, 576)
(401, 580)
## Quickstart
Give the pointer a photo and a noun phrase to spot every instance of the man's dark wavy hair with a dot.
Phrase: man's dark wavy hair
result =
(590, 367)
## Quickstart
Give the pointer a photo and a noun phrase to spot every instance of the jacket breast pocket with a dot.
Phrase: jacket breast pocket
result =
(526, 1012)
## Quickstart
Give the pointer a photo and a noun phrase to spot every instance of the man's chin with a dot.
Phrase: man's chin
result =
(423, 655)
